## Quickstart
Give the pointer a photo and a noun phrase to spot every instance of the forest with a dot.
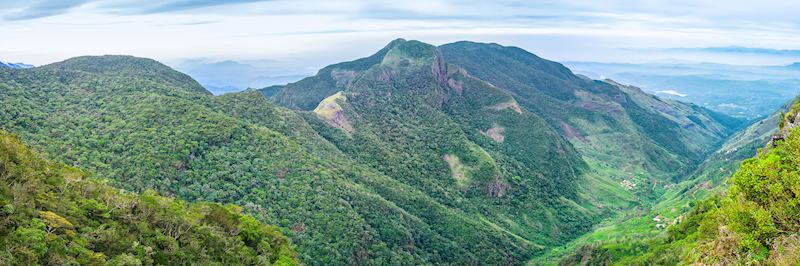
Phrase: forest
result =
(53, 214)
(465, 153)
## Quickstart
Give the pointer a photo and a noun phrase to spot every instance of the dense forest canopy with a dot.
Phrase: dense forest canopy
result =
(53, 214)
(465, 153)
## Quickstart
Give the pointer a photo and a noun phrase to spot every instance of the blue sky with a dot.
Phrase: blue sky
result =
(305, 35)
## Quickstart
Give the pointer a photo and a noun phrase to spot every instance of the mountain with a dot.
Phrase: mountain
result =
(749, 92)
(55, 214)
(228, 76)
(143, 125)
(665, 136)
(574, 105)
(14, 65)
(624, 135)
(465, 153)
(740, 50)
(649, 222)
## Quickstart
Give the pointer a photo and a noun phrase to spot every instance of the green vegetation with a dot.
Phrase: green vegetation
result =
(401, 108)
(53, 214)
(676, 202)
(145, 130)
(754, 223)
(650, 142)
(357, 164)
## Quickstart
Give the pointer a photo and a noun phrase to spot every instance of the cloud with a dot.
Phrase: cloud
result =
(38, 9)
(191, 23)
(241, 29)
(26, 10)
(154, 7)
(672, 92)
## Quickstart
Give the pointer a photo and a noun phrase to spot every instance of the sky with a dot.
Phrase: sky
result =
(298, 37)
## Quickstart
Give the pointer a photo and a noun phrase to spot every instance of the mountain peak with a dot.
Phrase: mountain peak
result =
(108, 63)
(410, 51)
(126, 65)
(395, 42)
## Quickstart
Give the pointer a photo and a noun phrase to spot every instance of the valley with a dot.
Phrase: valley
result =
(464, 153)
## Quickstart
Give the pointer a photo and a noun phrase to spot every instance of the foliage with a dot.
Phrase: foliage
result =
(754, 223)
(383, 193)
(152, 132)
(57, 215)
(616, 124)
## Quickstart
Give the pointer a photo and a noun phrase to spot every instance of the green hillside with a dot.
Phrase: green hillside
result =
(649, 139)
(621, 134)
(426, 124)
(53, 214)
(467, 154)
(143, 129)
(679, 199)
(750, 219)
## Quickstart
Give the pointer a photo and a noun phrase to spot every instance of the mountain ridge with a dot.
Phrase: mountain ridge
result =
(414, 154)
(598, 97)
(14, 65)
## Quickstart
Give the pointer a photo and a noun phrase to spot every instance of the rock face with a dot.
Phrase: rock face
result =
(439, 68)
(790, 121)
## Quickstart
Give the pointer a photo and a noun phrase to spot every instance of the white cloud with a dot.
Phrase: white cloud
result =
(321, 32)
(672, 92)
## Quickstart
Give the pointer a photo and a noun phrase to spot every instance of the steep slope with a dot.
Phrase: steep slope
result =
(622, 234)
(427, 124)
(647, 142)
(402, 157)
(754, 223)
(142, 125)
(710, 176)
(55, 214)
(397, 112)
(308, 92)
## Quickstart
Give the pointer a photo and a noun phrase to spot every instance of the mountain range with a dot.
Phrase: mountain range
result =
(747, 92)
(14, 65)
(465, 153)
